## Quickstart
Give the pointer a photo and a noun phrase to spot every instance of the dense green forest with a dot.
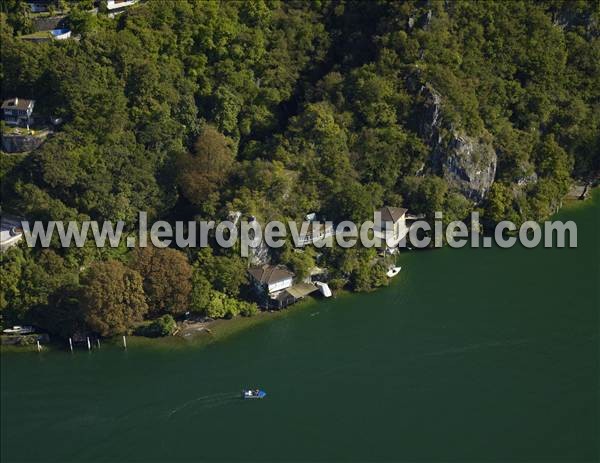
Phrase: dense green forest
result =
(192, 109)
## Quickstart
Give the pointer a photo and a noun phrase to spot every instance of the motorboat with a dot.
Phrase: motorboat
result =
(324, 288)
(253, 394)
(393, 271)
(17, 329)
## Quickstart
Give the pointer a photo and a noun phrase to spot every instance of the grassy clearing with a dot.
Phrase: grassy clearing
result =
(37, 35)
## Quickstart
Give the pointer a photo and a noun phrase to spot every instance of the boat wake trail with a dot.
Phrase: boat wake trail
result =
(207, 401)
(477, 347)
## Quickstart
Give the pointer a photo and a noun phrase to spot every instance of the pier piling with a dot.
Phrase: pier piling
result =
(124, 343)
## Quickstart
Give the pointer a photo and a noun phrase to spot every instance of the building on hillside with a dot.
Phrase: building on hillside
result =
(17, 111)
(315, 232)
(271, 279)
(312, 230)
(275, 286)
(39, 6)
(291, 295)
(390, 225)
(115, 7)
(10, 232)
(112, 5)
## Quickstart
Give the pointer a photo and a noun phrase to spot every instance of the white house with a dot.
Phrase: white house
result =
(390, 225)
(271, 279)
(17, 111)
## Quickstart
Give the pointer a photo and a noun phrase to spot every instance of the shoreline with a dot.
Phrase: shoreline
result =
(212, 332)
(200, 335)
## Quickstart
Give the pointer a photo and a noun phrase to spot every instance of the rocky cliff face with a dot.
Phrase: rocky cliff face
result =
(467, 163)
(21, 143)
(260, 255)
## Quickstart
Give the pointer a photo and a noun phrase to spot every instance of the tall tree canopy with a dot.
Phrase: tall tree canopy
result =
(167, 279)
(195, 109)
(112, 298)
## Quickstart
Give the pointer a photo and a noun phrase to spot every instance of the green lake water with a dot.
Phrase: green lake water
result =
(469, 355)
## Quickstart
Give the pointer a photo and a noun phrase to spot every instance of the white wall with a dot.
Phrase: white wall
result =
(280, 285)
(111, 5)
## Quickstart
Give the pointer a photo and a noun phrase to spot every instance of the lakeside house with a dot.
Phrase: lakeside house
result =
(276, 288)
(271, 279)
(292, 295)
(390, 225)
(17, 111)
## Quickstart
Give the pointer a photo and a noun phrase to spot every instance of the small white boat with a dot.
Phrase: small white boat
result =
(324, 289)
(17, 329)
(253, 394)
(393, 271)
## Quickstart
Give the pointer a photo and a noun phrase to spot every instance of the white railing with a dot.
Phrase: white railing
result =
(311, 238)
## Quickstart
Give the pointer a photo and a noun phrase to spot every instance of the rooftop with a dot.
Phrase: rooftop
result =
(392, 214)
(17, 103)
(301, 290)
(269, 274)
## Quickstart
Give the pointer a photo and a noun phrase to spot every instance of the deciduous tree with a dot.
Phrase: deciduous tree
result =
(112, 298)
(167, 278)
(202, 173)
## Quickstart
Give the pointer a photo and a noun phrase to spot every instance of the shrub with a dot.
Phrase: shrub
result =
(248, 309)
(162, 326)
(337, 283)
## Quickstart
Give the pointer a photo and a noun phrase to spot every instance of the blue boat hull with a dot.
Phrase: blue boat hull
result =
(250, 395)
